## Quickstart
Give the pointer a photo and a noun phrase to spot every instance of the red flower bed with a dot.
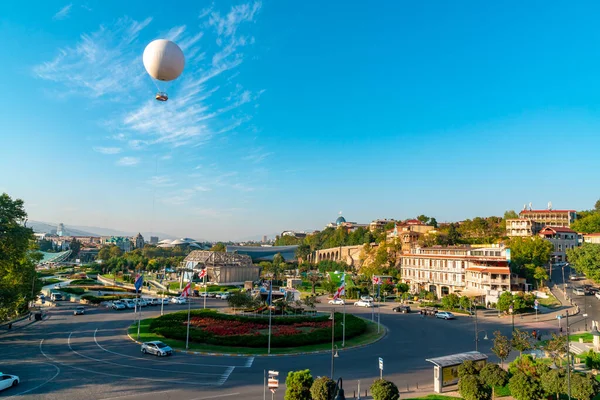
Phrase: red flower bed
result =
(231, 328)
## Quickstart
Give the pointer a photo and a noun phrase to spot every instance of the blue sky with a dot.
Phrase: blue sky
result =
(287, 112)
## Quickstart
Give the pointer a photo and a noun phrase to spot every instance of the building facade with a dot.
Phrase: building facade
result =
(593, 238)
(463, 270)
(522, 227)
(154, 240)
(562, 239)
(138, 240)
(561, 218)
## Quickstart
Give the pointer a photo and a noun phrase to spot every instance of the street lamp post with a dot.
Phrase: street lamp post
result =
(568, 359)
(511, 309)
(334, 353)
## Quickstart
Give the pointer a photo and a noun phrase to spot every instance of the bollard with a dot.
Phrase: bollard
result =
(354, 394)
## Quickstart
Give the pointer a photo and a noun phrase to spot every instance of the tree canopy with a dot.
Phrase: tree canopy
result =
(528, 253)
(586, 260)
(587, 224)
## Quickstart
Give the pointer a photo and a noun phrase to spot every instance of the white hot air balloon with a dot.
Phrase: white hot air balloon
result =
(164, 61)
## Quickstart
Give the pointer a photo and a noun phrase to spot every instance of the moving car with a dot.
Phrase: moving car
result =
(445, 315)
(579, 291)
(79, 310)
(7, 381)
(117, 305)
(165, 301)
(56, 297)
(225, 296)
(363, 303)
(157, 348)
(337, 302)
(57, 286)
(597, 295)
(366, 298)
(178, 300)
(402, 309)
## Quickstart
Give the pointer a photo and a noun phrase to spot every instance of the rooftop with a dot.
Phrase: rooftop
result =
(457, 359)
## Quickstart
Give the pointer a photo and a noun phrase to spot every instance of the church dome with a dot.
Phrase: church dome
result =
(340, 220)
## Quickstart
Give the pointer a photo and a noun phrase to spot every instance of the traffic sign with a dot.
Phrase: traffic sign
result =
(274, 373)
(559, 317)
(381, 363)
(536, 303)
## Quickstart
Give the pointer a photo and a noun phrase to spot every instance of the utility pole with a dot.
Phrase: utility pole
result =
(476, 328)
(568, 359)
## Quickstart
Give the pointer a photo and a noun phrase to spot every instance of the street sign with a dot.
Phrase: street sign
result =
(381, 363)
(273, 383)
(274, 373)
(536, 303)
(559, 317)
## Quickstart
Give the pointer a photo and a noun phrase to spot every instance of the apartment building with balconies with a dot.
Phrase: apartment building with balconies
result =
(562, 218)
(562, 239)
(522, 227)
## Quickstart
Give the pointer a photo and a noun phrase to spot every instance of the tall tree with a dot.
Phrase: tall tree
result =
(75, 246)
(587, 224)
(218, 247)
(520, 341)
(597, 205)
(528, 253)
(501, 347)
(298, 384)
(314, 277)
(586, 260)
(18, 280)
(115, 251)
(510, 214)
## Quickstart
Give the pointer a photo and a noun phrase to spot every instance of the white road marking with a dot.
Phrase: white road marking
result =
(226, 375)
(39, 386)
(121, 376)
(169, 362)
(215, 396)
(249, 362)
(136, 394)
(123, 365)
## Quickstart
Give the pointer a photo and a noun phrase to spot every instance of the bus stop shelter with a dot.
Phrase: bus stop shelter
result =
(445, 369)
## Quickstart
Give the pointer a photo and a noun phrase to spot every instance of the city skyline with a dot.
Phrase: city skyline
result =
(286, 114)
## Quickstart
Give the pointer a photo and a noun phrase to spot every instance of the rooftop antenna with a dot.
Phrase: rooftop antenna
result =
(524, 207)
(549, 205)
(530, 206)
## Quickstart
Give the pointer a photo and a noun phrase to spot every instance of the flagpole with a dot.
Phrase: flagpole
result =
(344, 325)
(187, 297)
(140, 309)
(205, 287)
(373, 308)
(162, 302)
(270, 302)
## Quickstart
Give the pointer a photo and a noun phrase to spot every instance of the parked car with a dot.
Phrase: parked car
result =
(79, 310)
(337, 302)
(56, 297)
(117, 305)
(153, 302)
(157, 348)
(165, 301)
(57, 286)
(225, 296)
(129, 303)
(402, 309)
(597, 295)
(204, 294)
(445, 315)
(579, 291)
(7, 381)
(212, 294)
(363, 303)
(366, 298)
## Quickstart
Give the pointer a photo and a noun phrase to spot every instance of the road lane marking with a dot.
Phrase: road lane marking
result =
(40, 385)
(248, 363)
(129, 366)
(226, 375)
(215, 396)
(121, 376)
(137, 394)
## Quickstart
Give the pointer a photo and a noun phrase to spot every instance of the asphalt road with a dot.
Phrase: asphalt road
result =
(90, 356)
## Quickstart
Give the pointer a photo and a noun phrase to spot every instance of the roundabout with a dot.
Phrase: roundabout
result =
(215, 333)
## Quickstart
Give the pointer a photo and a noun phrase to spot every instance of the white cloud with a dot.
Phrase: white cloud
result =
(257, 155)
(176, 199)
(63, 12)
(201, 189)
(166, 157)
(128, 161)
(137, 144)
(161, 181)
(108, 150)
(228, 25)
(101, 63)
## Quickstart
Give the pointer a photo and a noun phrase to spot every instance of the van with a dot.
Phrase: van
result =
(56, 297)
(579, 291)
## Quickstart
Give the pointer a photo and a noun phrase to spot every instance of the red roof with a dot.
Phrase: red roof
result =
(557, 229)
(592, 234)
(489, 270)
(545, 211)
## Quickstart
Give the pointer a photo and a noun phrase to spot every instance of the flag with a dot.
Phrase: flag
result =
(270, 297)
(202, 274)
(139, 281)
(341, 291)
(186, 290)
(376, 280)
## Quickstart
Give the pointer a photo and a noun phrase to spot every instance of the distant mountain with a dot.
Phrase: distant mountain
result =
(257, 238)
(45, 227)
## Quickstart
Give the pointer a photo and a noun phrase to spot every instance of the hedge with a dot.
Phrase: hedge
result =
(83, 282)
(173, 326)
(73, 290)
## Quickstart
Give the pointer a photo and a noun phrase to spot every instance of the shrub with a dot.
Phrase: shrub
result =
(468, 368)
(493, 375)
(384, 390)
(322, 388)
(83, 282)
(583, 386)
(592, 360)
(471, 388)
(524, 387)
(73, 290)
(298, 384)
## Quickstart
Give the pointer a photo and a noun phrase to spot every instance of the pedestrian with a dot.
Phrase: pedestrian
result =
(10, 325)
(30, 316)
(560, 330)
(534, 333)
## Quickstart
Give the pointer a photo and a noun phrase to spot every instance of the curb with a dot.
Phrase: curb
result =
(202, 353)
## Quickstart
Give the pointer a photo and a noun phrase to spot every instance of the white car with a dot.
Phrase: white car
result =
(7, 381)
(337, 302)
(57, 286)
(117, 305)
(363, 303)
(165, 301)
(157, 348)
(79, 310)
(445, 315)
(129, 303)
(178, 300)
(597, 295)
(225, 296)
(366, 298)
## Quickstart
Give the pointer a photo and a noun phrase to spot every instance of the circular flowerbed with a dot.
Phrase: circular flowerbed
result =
(210, 327)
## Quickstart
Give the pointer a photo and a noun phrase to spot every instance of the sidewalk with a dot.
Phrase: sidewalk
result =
(20, 323)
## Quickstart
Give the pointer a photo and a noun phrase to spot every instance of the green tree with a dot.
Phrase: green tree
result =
(17, 259)
(586, 260)
(453, 235)
(423, 218)
(510, 214)
(501, 347)
(520, 341)
(583, 386)
(402, 287)
(553, 382)
(524, 387)
(314, 277)
(504, 302)
(303, 251)
(240, 300)
(46, 245)
(329, 286)
(322, 388)
(278, 260)
(465, 303)
(468, 368)
(587, 224)
(433, 222)
(556, 347)
(492, 375)
(528, 253)
(384, 390)
(75, 246)
(470, 387)
(597, 205)
(540, 275)
(104, 253)
(450, 301)
(115, 251)
(219, 247)
(298, 384)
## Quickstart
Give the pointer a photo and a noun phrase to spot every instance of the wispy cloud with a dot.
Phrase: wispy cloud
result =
(161, 181)
(101, 63)
(176, 199)
(166, 157)
(213, 213)
(63, 12)
(108, 150)
(128, 161)
(257, 155)
(201, 189)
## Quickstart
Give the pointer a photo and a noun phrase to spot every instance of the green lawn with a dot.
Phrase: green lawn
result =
(174, 286)
(587, 337)
(368, 337)
(550, 302)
